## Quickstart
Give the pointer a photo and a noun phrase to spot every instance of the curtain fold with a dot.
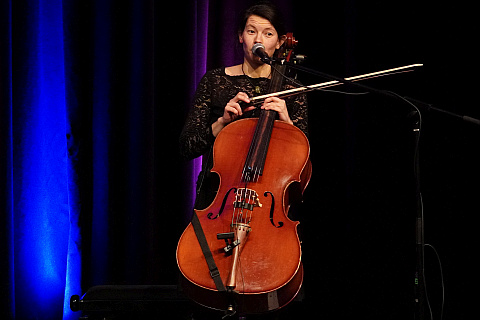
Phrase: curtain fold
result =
(7, 284)
(41, 202)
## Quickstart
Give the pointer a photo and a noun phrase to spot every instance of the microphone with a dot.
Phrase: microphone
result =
(258, 49)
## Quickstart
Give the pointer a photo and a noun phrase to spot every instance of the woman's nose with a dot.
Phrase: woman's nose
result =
(259, 38)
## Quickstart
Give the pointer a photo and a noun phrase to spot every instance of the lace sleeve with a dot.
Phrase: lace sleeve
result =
(298, 108)
(196, 137)
(213, 92)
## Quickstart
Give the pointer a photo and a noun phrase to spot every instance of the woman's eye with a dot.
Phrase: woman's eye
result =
(250, 31)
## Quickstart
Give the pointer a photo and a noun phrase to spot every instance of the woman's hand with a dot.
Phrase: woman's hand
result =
(231, 112)
(278, 105)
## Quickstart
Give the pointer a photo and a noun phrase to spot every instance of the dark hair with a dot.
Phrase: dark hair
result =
(267, 11)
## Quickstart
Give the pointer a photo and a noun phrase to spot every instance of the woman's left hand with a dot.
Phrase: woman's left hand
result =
(278, 105)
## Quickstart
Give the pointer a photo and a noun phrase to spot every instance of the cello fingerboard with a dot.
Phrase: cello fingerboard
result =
(255, 161)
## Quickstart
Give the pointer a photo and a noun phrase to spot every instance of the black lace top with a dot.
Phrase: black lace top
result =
(213, 92)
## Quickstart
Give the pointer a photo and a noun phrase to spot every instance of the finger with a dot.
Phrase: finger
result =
(272, 108)
(269, 105)
(275, 101)
(272, 99)
(233, 108)
(242, 96)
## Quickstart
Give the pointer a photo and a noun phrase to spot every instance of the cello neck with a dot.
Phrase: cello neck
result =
(253, 167)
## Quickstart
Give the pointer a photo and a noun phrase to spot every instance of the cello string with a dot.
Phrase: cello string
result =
(250, 167)
(254, 200)
(248, 215)
(232, 223)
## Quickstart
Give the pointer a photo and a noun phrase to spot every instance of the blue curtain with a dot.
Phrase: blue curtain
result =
(42, 200)
(84, 149)
(93, 95)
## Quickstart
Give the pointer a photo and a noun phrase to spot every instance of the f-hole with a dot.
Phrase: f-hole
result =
(210, 214)
(272, 210)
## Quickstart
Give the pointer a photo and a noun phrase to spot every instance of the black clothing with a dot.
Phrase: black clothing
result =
(214, 91)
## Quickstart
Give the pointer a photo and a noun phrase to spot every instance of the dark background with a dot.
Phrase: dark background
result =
(358, 216)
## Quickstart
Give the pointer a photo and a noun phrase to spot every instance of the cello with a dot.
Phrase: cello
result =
(263, 165)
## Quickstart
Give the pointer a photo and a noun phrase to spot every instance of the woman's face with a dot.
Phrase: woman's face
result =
(259, 30)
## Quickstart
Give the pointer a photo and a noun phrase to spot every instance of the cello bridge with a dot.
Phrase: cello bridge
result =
(246, 199)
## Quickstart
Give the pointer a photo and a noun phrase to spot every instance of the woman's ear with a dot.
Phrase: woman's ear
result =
(281, 40)
(240, 38)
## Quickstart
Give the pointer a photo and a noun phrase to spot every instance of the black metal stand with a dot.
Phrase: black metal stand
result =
(132, 302)
(419, 289)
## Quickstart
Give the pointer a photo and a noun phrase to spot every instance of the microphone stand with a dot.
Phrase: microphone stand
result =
(420, 297)
(427, 106)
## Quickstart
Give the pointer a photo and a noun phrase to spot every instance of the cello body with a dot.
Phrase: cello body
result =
(263, 271)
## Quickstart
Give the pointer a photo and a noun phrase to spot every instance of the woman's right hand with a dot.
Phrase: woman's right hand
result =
(231, 112)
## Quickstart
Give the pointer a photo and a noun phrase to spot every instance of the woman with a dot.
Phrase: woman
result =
(216, 101)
